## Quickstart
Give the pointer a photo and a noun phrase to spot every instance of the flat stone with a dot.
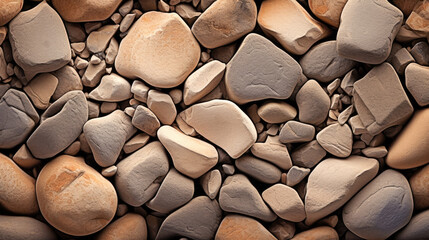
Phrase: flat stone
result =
(381, 208)
(162, 106)
(276, 112)
(333, 182)
(140, 174)
(295, 175)
(60, 125)
(237, 227)
(296, 31)
(129, 226)
(69, 193)
(294, 132)
(401, 59)
(274, 152)
(419, 183)
(211, 183)
(140, 91)
(40, 89)
(39, 40)
(224, 22)
(260, 70)
(285, 202)
(258, 169)
(145, 120)
(9, 9)
(375, 45)
(17, 119)
(375, 152)
(416, 80)
(238, 195)
(22, 227)
(323, 232)
(98, 40)
(328, 11)
(107, 135)
(85, 10)
(159, 40)
(18, 189)
(203, 81)
(191, 156)
(308, 155)
(175, 191)
(68, 80)
(313, 103)
(235, 134)
(135, 143)
(199, 219)
(380, 100)
(416, 228)
(336, 139)
(323, 63)
(112, 88)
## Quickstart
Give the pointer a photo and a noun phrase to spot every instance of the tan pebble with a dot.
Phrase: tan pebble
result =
(285, 202)
(145, 120)
(282, 229)
(3, 33)
(224, 53)
(313, 103)
(276, 112)
(136, 143)
(24, 159)
(317, 233)
(416, 80)
(112, 88)
(416, 228)
(273, 130)
(78, 46)
(176, 95)
(80, 63)
(228, 169)
(93, 74)
(187, 12)
(110, 171)
(127, 22)
(237, 227)
(163, 6)
(40, 89)
(418, 19)
(274, 152)
(211, 183)
(375, 152)
(73, 149)
(108, 107)
(333, 86)
(336, 139)
(95, 60)
(162, 105)
(328, 11)
(131, 226)
(22, 227)
(140, 90)
(184, 127)
(420, 188)
(112, 51)
(258, 169)
(294, 132)
(85, 10)
(401, 59)
(296, 174)
(344, 116)
(93, 110)
(8, 10)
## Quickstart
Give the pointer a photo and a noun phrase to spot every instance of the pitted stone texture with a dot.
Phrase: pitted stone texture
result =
(9, 9)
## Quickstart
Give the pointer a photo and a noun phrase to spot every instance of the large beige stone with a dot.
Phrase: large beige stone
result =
(329, 11)
(238, 227)
(24, 228)
(74, 198)
(274, 152)
(131, 226)
(417, 82)
(336, 139)
(160, 49)
(416, 228)
(419, 183)
(9, 9)
(285, 202)
(259, 169)
(318, 233)
(313, 103)
(85, 10)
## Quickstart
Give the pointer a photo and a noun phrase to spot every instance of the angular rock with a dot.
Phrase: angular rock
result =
(276, 112)
(285, 202)
(359, 17)
(107, 135)
(324, 232)
(333, 182)
(20, 227)
(69, 194)
(260, 170)
(211, 183)
(416, 228)
(93, 74)
(336, 139)
(294, 131)
(24, 159)
(260, 70)
(60, 125)
(381, 208)
(140, 174)
(274, 152)
(162, 105)
(417, 82)
(112, 88)
(140, 91)
(401, 59)
(40, 89)
(238, 195)
(129, 227)
(419, 52)
(296, 31)
(159, 40)
(419, 183)
(313, 103)
(418, 19)
(98, 40)
(191, 156)
(39, 40)
(237, 227)
(295, 175)
(235, 134)
(328, 11)
(85, 10)
(380, 100)
(145, 120)
(224, 22)
(68, 80)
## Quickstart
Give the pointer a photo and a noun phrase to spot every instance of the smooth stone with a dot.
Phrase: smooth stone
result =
(98, 40)
(317, 233)
(419, 183)
(417, 82)
(333, 182)
(145, 120)
(416, 228)
(359, 17)
(162, 105)
(17, 119)
(260, 70)
(313, 103)
(175, 191)
(235, 134)
(238, 227)
(135, 143)
(323, 63)
(191, 156)
(198, 219)
(419, 52)
(9, 9)
(40, 89)
(274, 152)
(39, 40)
(282, 229)
(203, 81)
(107, 135)
(238, 195)
(60, 125)
(381, 208)
(165, 44)
(328, 11)
(285, 202)
(112, 51)
(85, 10)
(380, 99)
(71, 194)
(211, 183)
(24, 159)
(296, 31)
(140, 90)
(112, 88)
(260, 170)
(24, 228)
(294, 132)
(375, 152)
(276, 112)
(140, 174)
(17, 189)
(68, 80)
(295, 175)
(224, 22)
(93, 74)
(336, 139)
(131, 226)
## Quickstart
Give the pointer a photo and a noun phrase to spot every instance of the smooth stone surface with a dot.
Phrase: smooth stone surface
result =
(24, 228)
(40, 89)
(381, 208)
(419, 183)
(296, 31)
(238, 227)
(191, 156)
(285, 202)
(274, 152)
(329, 11)
(336, 139)
(417, 82)
(162, 105)
(145, 120)
(9, 9)
(199, 219)
(60, 125)
(140, 174)
(17, 189)
(211, 183)
(333, 182)
(71, 195)
(98, 40)
(238, 195)
(359, 17)
(260, 70)
(107, 135)
(313, 103)
(235, 134)
(131, 226)
(294, 132)
(323, 63)
(295, 175)
(276, 112)
(85, 10)
(68, 80)
(135, 143)
(48, 48)
(224, 22)
(308, 155)
(260, 170)
(24, 159)
(317, 233)
(112, 88)
(158, 40)
(416, 228)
